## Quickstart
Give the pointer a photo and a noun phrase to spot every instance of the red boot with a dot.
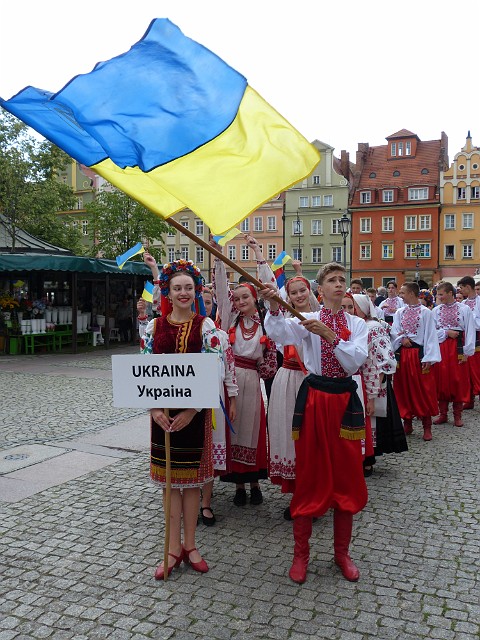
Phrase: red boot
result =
(427, 428)
(442, 418)
(407, 426)
(471, 404)
(457, 414)
(302, 530)
(342, 534)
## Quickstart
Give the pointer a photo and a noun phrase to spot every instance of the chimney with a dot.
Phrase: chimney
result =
(345, 164)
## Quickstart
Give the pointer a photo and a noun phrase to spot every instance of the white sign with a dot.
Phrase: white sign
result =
(166, 381)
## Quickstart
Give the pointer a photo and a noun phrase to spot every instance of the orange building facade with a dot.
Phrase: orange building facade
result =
(395, 210)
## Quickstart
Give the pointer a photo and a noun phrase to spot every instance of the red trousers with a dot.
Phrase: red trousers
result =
(452, 377)
(415, 391)
(329, 469)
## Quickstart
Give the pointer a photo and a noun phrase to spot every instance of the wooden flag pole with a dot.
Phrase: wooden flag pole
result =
(168, 499)
(232, 265)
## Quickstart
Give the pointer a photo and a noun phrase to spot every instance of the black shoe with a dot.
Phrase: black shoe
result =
(256, 496)
(209, 522)
(367, 472)
(287, 515)
(240, 498)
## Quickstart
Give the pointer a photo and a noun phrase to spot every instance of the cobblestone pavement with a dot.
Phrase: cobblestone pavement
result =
(77, 559)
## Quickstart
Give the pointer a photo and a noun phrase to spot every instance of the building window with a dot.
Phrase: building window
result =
(418, 193)
(316, 180)
(171, 254)
(387, 251)
(171, 234)
(449, 252)
(365, 225)
(245, 254)
(199, 227)
(303, 201)
(467, 220)
(461, 167)
(232, 252)
(271, 223)
(337, 254)
(475, 193)
(317, 227)
(461, 193)
(467, 250)
(316, 201)
(335, 226)
(393, 149)
(297, 253)
(424, 250)
(75, 225)
(328, 201)
(80, 202)
(199, 255)
(297, 227)
(271, 251)
(388, 195)
(184, 253)
(258, 223)
(185, 224)
(387, 223)
(400, 148)
(449, 221)
(396, 174)
(85, 227)
(425, 223)
(425, 172)
(373, 175)
(410, 223)
(365, 197)
(316, 255)
(365, 252)
(408, 148)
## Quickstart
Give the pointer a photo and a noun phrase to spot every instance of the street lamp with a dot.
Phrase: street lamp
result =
(298, 232)
(418, 252)
(344, 225)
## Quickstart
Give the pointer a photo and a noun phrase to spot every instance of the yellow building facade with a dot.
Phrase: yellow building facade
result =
(459, 237)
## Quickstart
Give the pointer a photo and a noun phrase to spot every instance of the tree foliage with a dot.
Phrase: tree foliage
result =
(30, 194)
(120, 222)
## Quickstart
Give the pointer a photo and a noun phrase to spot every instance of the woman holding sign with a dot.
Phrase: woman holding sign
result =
(181, 330)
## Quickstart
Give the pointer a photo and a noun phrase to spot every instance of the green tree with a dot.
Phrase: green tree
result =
(30, 193)
(119, 222)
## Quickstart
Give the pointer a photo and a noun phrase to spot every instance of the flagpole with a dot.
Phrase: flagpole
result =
(232, 265)
(168, 500)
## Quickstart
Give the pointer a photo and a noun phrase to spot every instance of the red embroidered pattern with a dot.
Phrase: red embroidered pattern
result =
(338, 323)
(449, 316)
(411, 319)
(471, 302)
(390, 306)
(282, 469)
(246, 455)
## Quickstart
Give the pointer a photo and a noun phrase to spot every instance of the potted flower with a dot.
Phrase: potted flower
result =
(7, 305)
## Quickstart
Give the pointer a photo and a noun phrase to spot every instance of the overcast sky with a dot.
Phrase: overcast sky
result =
(342, 72)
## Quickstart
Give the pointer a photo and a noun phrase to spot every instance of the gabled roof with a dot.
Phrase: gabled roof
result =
(25, 242)
(410, 167)
(403, 133)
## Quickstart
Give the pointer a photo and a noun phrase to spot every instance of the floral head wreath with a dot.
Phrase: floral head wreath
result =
(187, 266)
(427, 296)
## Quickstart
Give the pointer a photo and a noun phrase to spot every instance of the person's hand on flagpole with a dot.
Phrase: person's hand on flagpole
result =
(253, 244)
(297, 267)
(268, 293)
(142, 307)
(151, 263)
(215, 245)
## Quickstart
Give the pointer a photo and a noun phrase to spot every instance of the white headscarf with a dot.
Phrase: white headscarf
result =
(365, 304)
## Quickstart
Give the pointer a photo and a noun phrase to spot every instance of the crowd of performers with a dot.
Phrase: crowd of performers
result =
(344, 383)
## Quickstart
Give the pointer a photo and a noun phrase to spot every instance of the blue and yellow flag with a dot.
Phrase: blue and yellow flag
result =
(173, 126)
(133, 251)
(281, 260)
(148, 291)
(222, 240)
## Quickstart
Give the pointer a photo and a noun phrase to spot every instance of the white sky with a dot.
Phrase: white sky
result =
(344, 71)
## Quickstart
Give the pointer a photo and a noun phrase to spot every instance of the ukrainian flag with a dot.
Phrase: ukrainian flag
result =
(133, 251)
(148, 291)
(173, 126)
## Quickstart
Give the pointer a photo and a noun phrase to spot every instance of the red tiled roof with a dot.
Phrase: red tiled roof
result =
(403, 133)
(410, 168)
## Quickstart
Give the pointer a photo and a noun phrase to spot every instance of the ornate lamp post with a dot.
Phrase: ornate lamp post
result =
(298, 232)
(418, 252)
(344, 224)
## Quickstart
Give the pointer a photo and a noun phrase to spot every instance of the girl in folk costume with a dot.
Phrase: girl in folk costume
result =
(456, 334)
(181, 330)
(414, 339)
(392, 303)
(328, 420)
(466, 286)
(348, 306)
(285, 387)
(255, 355)
(387, 430)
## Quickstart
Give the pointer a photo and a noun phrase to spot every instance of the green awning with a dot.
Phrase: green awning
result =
(51, 262)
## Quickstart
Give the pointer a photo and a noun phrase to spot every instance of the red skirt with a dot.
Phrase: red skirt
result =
(452, 378)
(328, 469)
(415, 391)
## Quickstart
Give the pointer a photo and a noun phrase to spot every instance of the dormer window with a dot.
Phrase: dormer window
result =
(400, 148)
(393, 149)
(408, 148)
(365, 197)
